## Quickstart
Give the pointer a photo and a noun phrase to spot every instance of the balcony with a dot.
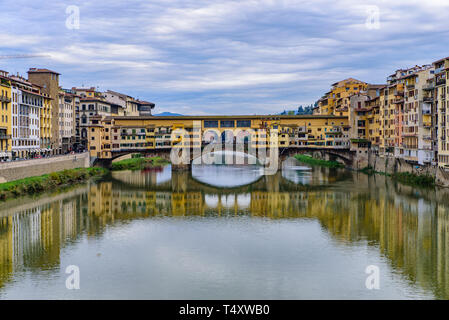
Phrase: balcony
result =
(428, 99)
(439, 70)
(410, 158)
(5, 136)
(441, 82)
(409, 134)
(4, 98)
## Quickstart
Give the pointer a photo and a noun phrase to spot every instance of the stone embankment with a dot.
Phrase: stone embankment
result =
(15, 170)
(370, 162)
(391, 166)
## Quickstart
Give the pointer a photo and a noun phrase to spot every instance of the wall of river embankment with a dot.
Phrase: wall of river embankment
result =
(16, 170)
(391, 165)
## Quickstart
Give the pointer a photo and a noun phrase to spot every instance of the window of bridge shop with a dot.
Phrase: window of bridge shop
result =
(227, 123)
(210, 123)
(243, 123)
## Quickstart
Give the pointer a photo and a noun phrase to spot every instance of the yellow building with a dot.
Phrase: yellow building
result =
(45, 125)
(337, 100)
(107, 134)
(374, 132)
(5, 116)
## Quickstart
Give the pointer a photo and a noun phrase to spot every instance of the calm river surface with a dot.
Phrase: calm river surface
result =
(228, 232)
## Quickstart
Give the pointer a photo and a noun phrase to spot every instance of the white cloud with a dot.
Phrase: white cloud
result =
(238, 56)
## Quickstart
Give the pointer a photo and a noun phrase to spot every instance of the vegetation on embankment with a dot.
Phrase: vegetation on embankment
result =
(138, 163)
(422, 180)
(313, 161)
(47, 182)
(414, 179)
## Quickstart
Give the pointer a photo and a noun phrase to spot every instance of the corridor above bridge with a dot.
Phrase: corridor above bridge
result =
(110, 137)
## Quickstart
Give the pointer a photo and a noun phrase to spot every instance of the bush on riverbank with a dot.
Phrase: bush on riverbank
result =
(138, 163)
(319, 162)
(47, 181)
(413, 179)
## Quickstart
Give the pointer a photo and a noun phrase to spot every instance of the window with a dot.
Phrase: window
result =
(210, 123)
(227, 123)
(243, 123)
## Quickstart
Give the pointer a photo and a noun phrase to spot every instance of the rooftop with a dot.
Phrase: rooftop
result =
(37, 70)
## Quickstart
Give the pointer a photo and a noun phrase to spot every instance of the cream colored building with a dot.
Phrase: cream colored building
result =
(441, 105)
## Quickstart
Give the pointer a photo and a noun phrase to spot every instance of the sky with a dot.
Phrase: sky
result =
(199, 57)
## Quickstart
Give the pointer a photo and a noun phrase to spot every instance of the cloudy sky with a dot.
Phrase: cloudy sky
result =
(222, 57)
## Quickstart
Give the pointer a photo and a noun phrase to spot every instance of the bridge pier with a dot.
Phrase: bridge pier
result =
(181, 167)
(102, 163)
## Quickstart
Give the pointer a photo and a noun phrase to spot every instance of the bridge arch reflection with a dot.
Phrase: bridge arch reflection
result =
(234, 179)
(410, 230)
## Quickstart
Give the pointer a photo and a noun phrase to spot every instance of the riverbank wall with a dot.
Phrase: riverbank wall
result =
(364, 160)
(10, 171)
(391, 165)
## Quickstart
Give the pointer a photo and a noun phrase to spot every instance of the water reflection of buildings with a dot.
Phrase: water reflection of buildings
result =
(411, 231)
(33, 235)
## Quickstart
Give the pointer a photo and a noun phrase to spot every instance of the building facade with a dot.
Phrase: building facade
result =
(67, 107)
(26, 109)
(49, 82)
(5, 117)
(441, 91)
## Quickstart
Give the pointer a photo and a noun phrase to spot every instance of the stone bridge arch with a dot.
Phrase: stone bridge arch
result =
(344, 156)
(185, 156)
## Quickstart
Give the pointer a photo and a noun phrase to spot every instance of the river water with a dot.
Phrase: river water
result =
(228, 232)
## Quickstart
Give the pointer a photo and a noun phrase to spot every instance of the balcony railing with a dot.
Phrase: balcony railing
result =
(4, 98)
(441, 82)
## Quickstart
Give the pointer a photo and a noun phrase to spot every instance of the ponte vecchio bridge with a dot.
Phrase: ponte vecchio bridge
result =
(182, 139)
